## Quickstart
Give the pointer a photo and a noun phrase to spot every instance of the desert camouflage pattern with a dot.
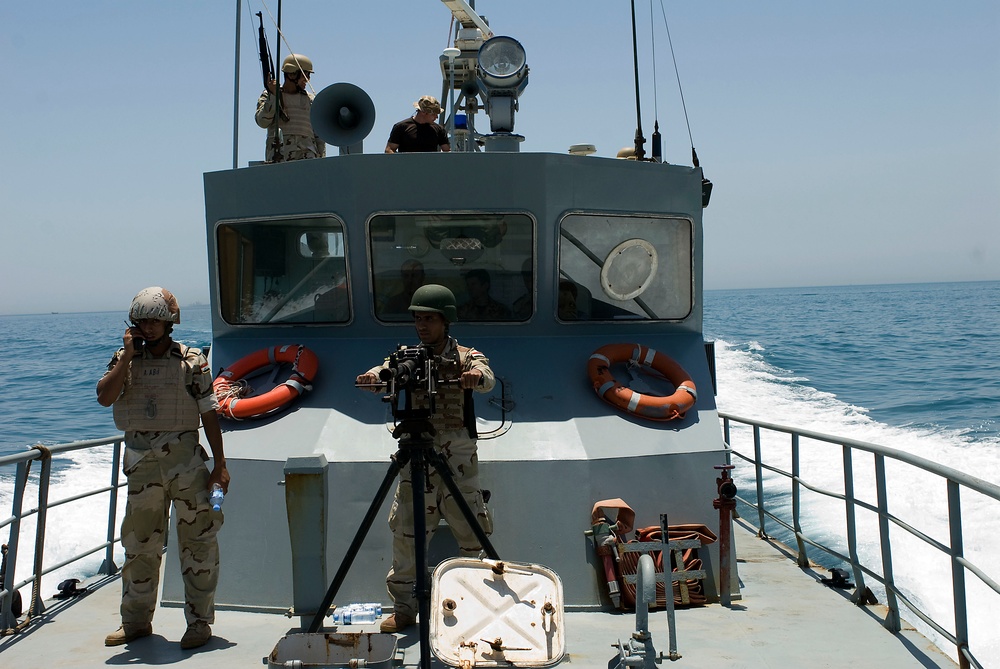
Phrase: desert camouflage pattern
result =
(174, 471)
(196, 377)
(158, 391)
(460, 454)
(459, 451)
(298, 139)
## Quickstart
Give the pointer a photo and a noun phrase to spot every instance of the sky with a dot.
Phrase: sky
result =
(850, 142)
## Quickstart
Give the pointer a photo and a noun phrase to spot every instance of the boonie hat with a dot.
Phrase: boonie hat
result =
(428, 105)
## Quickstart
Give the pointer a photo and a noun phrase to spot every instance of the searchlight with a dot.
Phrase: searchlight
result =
(503, 75)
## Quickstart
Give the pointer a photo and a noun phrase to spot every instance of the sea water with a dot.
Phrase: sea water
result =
(914, 367)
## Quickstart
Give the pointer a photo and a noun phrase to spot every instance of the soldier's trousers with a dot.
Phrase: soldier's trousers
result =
(460, 453)
(175, 472)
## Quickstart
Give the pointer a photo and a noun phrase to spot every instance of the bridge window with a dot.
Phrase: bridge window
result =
(624, 268)
(485, 259)
(287, 271)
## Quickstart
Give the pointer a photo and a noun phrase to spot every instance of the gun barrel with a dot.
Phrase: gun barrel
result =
(264, 51)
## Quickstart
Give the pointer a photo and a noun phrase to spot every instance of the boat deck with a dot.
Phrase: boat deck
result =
(785, 618)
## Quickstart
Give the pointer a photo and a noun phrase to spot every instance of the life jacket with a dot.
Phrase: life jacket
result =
(155, 398)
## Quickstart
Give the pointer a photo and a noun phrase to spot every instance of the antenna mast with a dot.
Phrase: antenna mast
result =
(640, 153)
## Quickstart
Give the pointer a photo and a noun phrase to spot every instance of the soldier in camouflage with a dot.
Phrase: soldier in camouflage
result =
(160, 390)
(298, 141)
(433, 309)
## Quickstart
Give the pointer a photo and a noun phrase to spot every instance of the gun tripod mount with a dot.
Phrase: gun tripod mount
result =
(414, 433)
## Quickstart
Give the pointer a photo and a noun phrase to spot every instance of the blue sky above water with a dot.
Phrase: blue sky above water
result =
(850, 143)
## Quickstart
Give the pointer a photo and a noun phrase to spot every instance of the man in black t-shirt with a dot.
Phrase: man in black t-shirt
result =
(420, 132)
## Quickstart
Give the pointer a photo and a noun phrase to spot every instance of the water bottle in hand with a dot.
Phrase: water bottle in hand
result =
(216, 497)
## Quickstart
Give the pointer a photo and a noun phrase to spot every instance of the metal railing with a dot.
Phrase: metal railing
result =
(956, 483)
(44, 456)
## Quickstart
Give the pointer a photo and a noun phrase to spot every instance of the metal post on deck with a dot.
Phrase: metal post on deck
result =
(803, 557)
(958, 571)
(236, 89)
(852, 526)
(109, 567)
(7, 619)
(759, 472)
(725, 503)
(668, 587)
(306, 503)
(892, 619)
(37, 605)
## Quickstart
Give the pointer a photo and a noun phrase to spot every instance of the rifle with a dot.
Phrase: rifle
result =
(267, 71)
(266, 64)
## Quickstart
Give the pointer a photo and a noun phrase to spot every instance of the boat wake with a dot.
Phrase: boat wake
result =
(751, 387)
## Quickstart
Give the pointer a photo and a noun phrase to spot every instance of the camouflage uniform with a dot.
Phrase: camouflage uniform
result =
(459, 449)
(298, 139)
(165, 467)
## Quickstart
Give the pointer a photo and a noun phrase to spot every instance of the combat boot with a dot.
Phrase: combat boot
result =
(198, 633)
(128, 632)
(396, 622)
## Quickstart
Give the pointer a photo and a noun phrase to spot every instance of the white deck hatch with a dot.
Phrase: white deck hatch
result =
(488, 613)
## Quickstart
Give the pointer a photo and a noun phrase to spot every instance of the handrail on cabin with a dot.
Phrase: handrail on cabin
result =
(956, 482)
(21, 463)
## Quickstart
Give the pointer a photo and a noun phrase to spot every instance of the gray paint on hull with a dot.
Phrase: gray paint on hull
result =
(565, 449)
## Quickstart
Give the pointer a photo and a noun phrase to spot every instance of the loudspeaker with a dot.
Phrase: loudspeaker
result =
(342, 114)
(471, 88)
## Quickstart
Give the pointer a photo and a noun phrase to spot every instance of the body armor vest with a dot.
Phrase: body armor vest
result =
(297, 107)
(449, 405)
(156, 397)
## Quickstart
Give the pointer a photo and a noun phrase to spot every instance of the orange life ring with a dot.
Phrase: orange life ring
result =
(231, 395)
(652, 407)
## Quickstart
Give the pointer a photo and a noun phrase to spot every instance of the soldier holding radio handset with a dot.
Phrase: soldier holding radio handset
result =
(161, 392)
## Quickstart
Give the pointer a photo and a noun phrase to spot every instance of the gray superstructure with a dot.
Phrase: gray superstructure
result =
(549, 447)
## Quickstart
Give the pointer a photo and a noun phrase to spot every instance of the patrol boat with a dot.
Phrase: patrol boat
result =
(603, 418)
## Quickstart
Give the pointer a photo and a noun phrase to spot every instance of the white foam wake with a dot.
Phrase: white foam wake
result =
(752, 388)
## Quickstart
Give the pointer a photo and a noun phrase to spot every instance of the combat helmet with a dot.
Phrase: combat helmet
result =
(295, 62)
(154, 303)
(433, 297)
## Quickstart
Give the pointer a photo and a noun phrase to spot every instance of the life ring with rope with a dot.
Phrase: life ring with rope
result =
(234, 393)
(652, 407)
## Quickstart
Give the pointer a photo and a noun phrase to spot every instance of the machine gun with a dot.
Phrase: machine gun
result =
(411, 368)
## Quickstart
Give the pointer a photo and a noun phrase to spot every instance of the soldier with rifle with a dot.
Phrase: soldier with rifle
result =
(285, 111)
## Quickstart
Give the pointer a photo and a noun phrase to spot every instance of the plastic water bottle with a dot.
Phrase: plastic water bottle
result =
(357, 614)
(216, 497)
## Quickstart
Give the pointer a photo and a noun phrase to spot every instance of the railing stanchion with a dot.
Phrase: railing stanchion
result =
(803, 558)
(958, 571)
(892, 619)
(7, 619)
(37, 606)
(852, 525)
(758, 461)
(109, 567)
